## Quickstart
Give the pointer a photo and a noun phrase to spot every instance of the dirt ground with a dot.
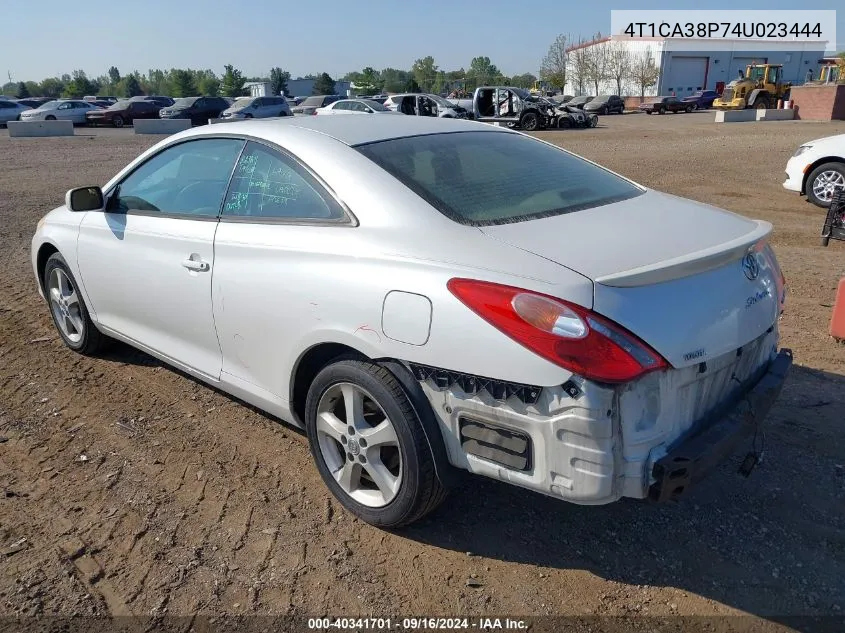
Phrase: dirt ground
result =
(187, 501)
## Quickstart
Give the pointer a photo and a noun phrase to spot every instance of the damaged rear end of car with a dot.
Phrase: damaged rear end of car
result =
(670, 370)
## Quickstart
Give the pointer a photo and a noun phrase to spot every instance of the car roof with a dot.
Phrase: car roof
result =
(371, 130)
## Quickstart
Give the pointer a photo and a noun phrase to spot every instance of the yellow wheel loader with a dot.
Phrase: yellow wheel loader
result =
(761, 87)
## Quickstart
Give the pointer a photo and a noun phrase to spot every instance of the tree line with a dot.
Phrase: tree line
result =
(579, 68)
(584, 65)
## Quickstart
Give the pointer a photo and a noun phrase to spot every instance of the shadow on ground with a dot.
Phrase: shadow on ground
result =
(772, 545)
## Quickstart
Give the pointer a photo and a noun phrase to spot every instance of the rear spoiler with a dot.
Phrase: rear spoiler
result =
(689, 264)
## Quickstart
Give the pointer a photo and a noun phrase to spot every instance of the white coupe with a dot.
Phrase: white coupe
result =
(354, 106)
(426, 295)
(817, 169)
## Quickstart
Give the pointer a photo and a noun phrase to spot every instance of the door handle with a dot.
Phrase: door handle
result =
(193, 264)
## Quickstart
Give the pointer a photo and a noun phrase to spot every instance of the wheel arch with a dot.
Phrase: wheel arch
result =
(757, 92)
(318, 356)
(44, 252)
(816, 163)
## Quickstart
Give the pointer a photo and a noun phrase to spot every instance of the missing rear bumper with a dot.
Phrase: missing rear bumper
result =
(695, 457)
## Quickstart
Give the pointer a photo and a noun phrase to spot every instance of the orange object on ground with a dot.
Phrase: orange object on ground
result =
(837, 321)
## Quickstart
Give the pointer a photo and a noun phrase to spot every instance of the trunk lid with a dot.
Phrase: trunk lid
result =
(693, 281)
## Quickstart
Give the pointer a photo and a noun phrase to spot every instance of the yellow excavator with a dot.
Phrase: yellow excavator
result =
(761, 87)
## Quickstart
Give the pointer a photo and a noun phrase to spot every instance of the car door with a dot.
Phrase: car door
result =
(80, 109)
(146, 262)
(147, 110)
(279, 226)
(64, 112)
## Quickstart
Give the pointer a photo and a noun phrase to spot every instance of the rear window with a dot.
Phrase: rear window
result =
(485, 178)
(313, 101)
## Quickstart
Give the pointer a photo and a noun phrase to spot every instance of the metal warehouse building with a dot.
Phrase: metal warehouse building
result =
(687, 65)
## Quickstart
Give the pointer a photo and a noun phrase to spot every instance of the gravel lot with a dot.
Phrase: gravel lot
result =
(192, 502)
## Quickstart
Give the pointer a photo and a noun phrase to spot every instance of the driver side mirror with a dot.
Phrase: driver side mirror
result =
(85, 199)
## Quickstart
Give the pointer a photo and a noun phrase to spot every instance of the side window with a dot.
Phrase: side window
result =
(341, 105)
(259, 103)
(64, 106)
(269, 185)
(186, 179)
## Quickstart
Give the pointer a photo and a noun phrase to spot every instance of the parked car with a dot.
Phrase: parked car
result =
(701, 99)
(162, 102)
(425, 105)
(123, 113)
(309, 105)
(257, 108)
(605, 104)
(198, 109)
(496, 324)
(34, 102)
(61, 110)
(11, 110)
(355, 106)
(662, 105)
(580, 102)
(817, 169)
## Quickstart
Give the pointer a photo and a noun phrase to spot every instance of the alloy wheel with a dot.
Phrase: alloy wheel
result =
(64, 302)
(826, 183)
(359, 445)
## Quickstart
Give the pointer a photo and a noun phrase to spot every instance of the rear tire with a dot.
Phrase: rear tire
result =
(761, 103)
(401, 460)
(68, 309)
(49, 117)
(662, 110)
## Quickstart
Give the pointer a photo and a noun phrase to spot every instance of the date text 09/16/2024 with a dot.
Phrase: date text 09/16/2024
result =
(416, 624)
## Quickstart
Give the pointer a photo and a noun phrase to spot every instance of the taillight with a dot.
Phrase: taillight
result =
(566, 334)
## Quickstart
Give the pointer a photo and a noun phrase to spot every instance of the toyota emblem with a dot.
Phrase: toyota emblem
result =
(750, 266)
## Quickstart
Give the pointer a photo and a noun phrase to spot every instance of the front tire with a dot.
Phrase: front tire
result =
(823, 181)
(49, 117)
(117, 121)
(530, 121)
(68, 309)
(369, 444)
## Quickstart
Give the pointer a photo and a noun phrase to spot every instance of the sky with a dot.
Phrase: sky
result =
(52, 37)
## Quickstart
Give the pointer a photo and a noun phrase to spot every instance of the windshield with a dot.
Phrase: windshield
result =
(50, 105)
(120, 105)
(758, 72)
(697, 94)
(485, 178)
(240, 104)
(375, 105)
(600, 99)
(184, 102)
(312, 102)
(443, 103)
